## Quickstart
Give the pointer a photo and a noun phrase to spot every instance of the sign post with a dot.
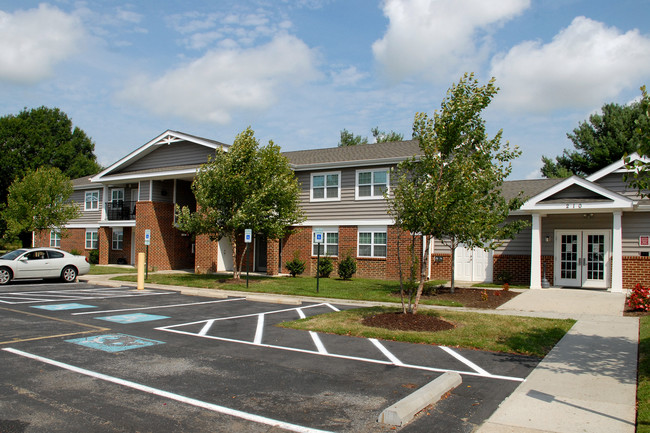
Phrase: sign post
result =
(147, 241)
(248, 238)
(318, 238)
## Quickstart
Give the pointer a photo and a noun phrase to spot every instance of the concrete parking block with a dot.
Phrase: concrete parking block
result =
(404, 410)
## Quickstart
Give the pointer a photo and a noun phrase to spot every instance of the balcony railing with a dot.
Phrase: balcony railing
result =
(119, 210)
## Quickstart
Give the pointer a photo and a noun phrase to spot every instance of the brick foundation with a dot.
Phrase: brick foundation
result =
(516, 266)
(636, 269)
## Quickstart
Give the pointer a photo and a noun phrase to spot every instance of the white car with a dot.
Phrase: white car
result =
(29, 263)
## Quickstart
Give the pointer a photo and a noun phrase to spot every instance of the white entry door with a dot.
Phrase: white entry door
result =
(582, 258)
(473, 264)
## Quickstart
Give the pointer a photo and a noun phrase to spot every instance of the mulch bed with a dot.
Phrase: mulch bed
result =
(473, 298)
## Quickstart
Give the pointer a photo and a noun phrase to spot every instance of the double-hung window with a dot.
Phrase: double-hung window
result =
(371, 184)
(372, 242)
(118, 238)
(330, 244)
(326, 186)
(55, 239)
(91, 200)
(92, 239)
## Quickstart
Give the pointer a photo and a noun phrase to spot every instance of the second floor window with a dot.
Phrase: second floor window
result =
(92, 200)
(372, 183)
(325, 186)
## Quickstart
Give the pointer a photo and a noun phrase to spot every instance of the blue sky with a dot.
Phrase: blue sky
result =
(299, 71)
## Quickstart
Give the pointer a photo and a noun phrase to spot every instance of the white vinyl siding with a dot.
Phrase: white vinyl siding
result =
(326, 186)
(371, 184)
(372, 242)
(92, 239)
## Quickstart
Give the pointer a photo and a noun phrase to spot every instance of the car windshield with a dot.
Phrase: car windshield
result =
(12, 255)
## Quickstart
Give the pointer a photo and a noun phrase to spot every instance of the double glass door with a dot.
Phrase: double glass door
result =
(582, 258)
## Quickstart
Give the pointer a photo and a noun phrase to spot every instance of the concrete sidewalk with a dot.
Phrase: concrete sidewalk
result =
(587, 383)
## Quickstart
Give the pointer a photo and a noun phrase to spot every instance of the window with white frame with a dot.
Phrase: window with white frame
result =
(371, 184)
(372, 242)
(330, 244)
(117, 196)
(92, 239)
(55, 239)
(326, 186)
(118, 238)
(91, 200)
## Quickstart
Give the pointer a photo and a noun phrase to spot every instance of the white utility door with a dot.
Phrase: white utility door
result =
(473, 264)
(582, 258)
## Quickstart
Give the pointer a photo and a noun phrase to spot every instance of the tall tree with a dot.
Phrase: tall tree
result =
(640, 177)
(451, 192)
(244, 187)
(349, 139)
(600, 141)
(43, 137)
(39, 201)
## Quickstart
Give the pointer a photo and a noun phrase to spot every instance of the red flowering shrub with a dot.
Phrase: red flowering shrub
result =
(506, 287)
(639, 299)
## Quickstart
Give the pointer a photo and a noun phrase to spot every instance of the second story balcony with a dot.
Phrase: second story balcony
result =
(120, 210)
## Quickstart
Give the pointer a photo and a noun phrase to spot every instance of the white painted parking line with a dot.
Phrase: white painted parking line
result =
(386, 353)
(320, 348)
(166, 394)
(156, 307)
(464, 360)
(40, 296)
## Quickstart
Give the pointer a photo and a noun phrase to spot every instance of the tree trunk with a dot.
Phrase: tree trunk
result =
(423, 267)
(453, 267)
(233, 243)
(401, 274)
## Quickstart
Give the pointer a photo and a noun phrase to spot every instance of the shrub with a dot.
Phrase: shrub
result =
(347, 267)
(93, 257)
(325, 267)
(295, 266)
(639, 299)
(506, 287)
(504, 277)
(484, 295)
(75, 252)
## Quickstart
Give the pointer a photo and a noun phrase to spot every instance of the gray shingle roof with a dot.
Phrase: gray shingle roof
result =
(530, 188)
(391, 151)
(82, 182)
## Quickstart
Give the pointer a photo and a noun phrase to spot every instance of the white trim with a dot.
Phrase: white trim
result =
(616, 167)
(92, 192)
(325, 186)
(169, 174)
(343, 222)
(372, 172)
(617, 253)
(150, 190)
(124, 223)
(82, 226)
(90, 230)
(372, 231)
(536, 252)
(618, 201)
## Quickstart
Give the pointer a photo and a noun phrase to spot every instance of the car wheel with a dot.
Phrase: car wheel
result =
(69, 274)
(5, 276)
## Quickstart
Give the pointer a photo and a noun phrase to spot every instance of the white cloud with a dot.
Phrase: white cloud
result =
(223, 81)
(34, 41)
(582, 66)
(347, 77)
(432, 38)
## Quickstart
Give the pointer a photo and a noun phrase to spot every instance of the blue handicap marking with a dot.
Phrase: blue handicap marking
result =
(61, 307)
(132, 318)
(114, 342)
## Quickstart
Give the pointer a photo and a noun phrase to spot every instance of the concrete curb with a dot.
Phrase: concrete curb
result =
(404, 410)
(274, 299)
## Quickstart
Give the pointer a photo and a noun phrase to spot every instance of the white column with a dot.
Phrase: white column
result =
(104, 216)
(617, 253)
(536, 253)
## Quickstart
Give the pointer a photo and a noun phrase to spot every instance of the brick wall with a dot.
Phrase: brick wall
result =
(169, 248)
(206, 255)
(518, 266)
(125, 252)
(441, 270)
(636, 269)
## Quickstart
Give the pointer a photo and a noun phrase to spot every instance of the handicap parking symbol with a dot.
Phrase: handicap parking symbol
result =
(132, 318)
(114, 342)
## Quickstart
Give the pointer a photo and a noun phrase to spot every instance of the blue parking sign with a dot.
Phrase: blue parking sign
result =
(318, 236)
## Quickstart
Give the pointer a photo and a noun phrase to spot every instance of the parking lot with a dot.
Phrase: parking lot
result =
(79, 358)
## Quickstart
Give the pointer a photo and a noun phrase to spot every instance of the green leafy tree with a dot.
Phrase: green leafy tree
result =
(349, 139)
(605, 138)
(244, 187)
(640, 176)
(452, 191)
(39, 201)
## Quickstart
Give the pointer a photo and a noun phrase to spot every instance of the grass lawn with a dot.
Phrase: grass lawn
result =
(509, 334)
(105, 270)
(356, 289)
(643, 390)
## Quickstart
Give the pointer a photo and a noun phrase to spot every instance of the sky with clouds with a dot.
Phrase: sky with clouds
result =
(299, 71)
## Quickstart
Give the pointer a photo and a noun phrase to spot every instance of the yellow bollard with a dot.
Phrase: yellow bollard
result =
(141, 271)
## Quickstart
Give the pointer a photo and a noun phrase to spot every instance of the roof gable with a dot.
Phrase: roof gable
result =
(576, 193)
(163, 148)
(616, 167)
